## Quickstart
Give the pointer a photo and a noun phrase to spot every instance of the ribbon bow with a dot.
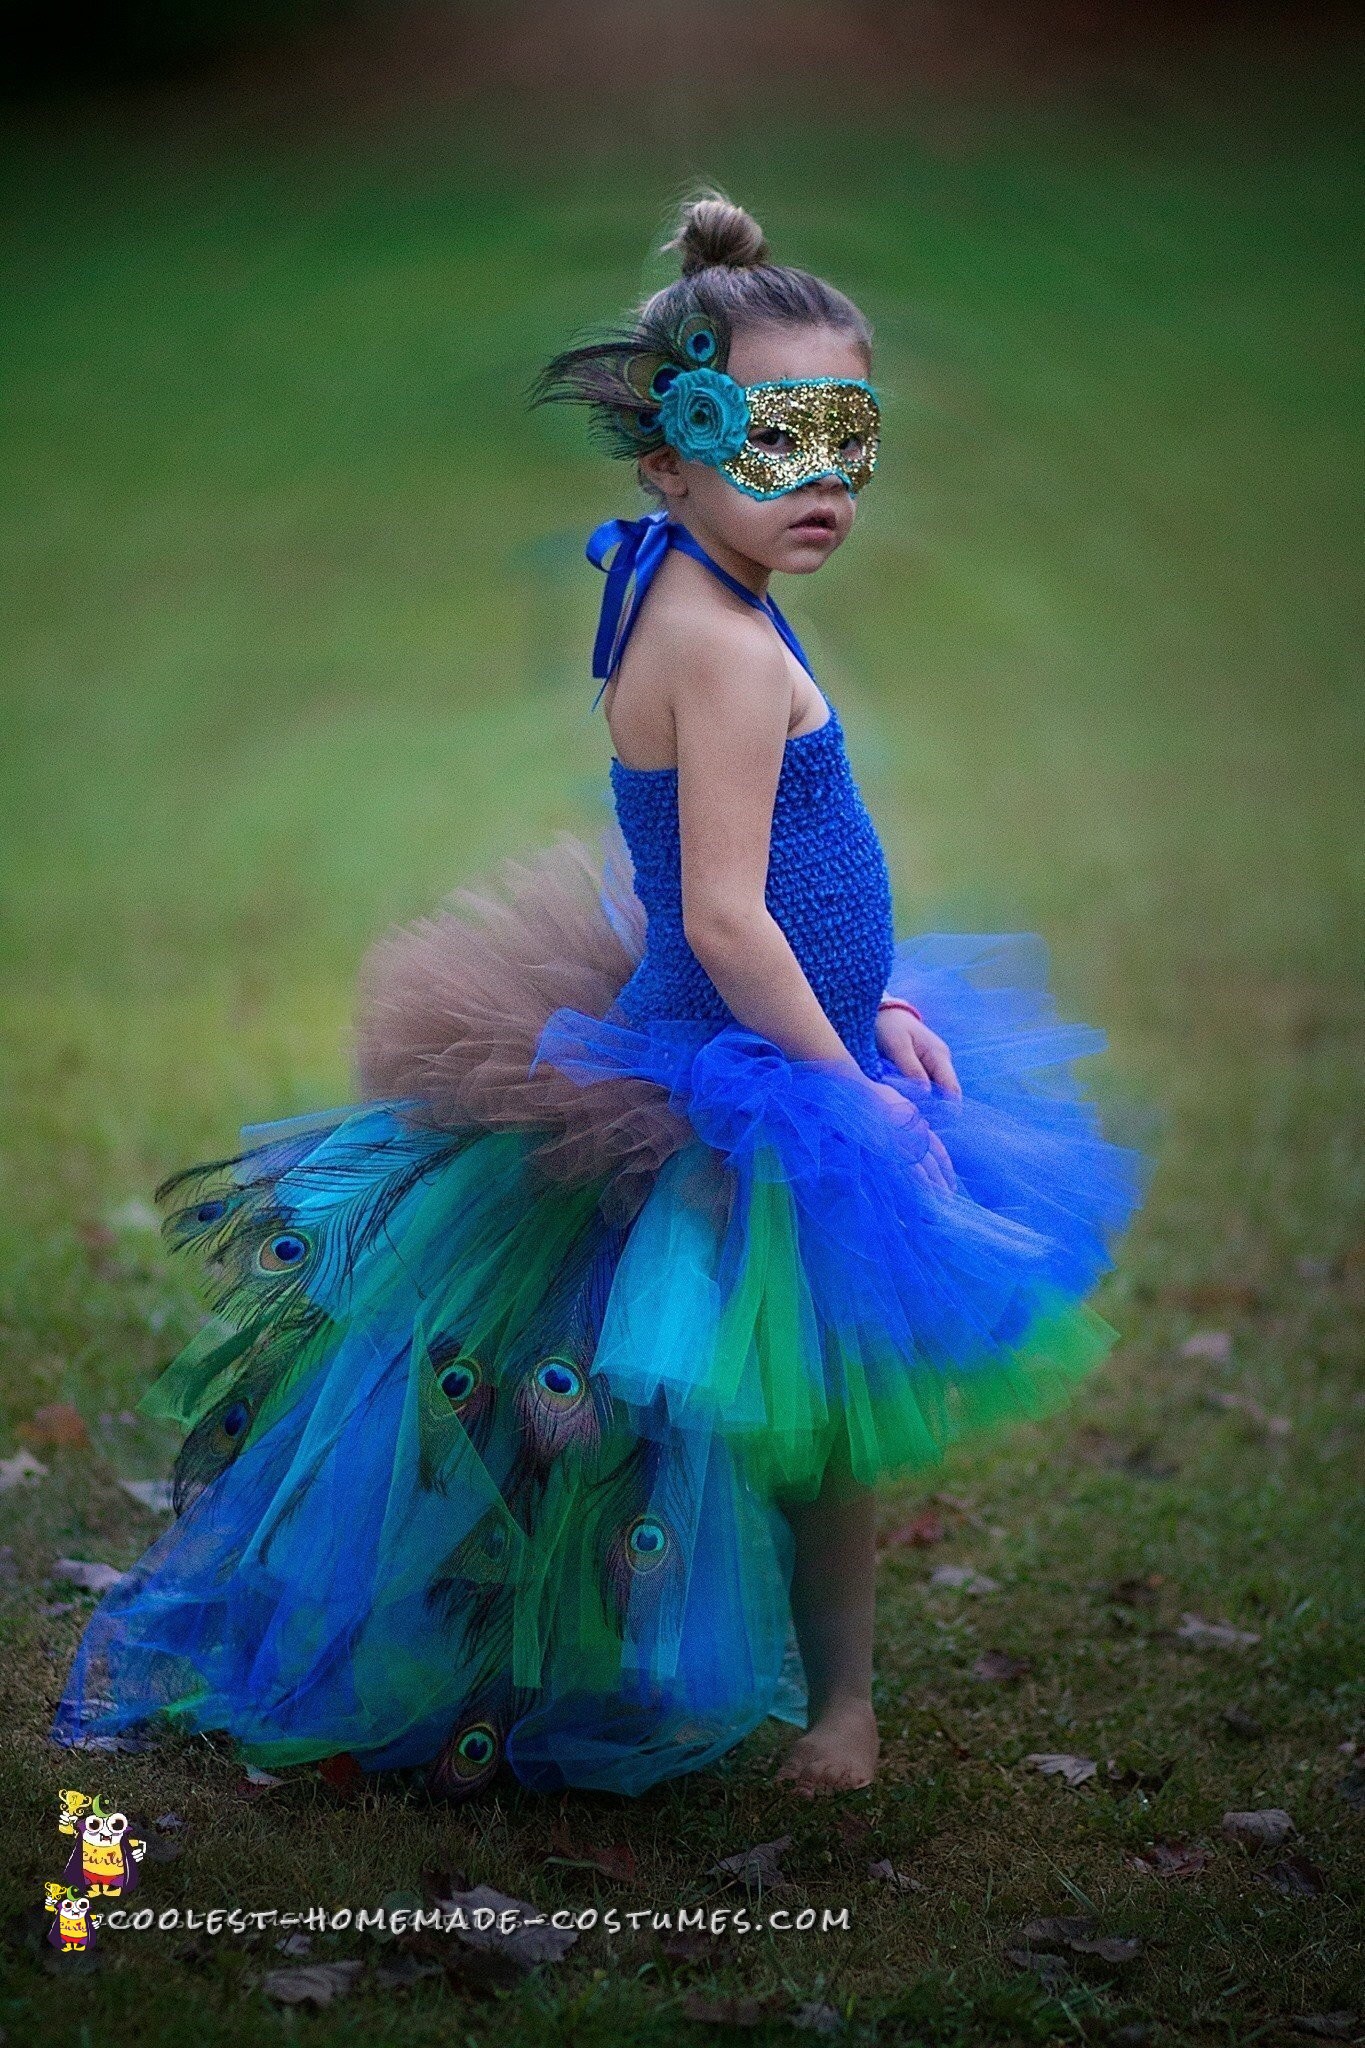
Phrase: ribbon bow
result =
(640, 545)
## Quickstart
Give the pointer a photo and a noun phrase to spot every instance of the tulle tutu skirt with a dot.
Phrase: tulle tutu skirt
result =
(512, 1366)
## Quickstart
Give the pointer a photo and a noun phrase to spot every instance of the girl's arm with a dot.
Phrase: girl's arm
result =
(731, 702)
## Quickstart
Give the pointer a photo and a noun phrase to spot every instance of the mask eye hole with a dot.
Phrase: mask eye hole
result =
(773, 440)
(853, 448)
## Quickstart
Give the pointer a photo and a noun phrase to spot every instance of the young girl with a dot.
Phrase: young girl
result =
(547, 1390)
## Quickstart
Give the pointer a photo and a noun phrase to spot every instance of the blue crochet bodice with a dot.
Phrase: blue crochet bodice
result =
(828, 885)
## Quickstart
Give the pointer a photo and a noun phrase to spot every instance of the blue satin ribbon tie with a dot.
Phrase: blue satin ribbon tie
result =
(639, 547)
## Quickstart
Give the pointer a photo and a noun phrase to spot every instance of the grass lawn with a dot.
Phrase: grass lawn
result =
(296, 640)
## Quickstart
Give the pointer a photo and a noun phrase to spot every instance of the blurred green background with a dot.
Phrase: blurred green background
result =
(297, 623)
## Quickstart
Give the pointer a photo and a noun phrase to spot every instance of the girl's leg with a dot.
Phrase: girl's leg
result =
(833, 1603)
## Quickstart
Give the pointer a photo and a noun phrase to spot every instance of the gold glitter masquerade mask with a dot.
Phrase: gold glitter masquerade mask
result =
(803, 428)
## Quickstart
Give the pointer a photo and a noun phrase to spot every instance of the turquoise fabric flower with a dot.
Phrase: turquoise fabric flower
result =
(704, 415)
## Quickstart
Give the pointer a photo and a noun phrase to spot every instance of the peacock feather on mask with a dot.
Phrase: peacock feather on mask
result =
(624, 374)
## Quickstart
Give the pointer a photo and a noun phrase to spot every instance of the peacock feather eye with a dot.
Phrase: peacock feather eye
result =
(284, 1252)
(236, 1419)
(647, 1543)
(460, 1379)
(663, 380)
(474, 1750)
(697, 340)
(560, 1379)
(209, 1212)
(648, 420)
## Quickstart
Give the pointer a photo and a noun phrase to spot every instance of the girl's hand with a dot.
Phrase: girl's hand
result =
(935, 1166)
(919, 1052)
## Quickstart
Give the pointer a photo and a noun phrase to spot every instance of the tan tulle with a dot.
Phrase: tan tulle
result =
(450, 1009)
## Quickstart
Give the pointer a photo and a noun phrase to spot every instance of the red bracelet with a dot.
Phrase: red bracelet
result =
(899, 1003)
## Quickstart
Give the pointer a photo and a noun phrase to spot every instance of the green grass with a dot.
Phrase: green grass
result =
(296, 639)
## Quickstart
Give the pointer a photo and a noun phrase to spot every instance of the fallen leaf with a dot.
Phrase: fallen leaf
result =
(295, 1944)
(1245, 1726)
(342, 1773)
(318, 1984)
(23, 1469)
(1244, 1404)
(1214, 1635)
(529, 1941)
(1052, 1969)
(168, 1822)
(1137, 1592)
(402, 1971)
(921, 1532)
(1328, 2026)
(1263, 1828)
(1296, 1877)
(1076, 1770)
(616, 1861)
(997, 1667)
(1080, 1933)
(886, 1872)
(758, 1868)
(156, 1495)
(1169, 1857)
(59, 1424)
(1215, 1345)
(962, 1578)
(254, 1783)
(91, 1577)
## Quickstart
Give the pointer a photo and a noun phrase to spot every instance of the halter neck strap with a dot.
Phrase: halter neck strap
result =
(640, 546)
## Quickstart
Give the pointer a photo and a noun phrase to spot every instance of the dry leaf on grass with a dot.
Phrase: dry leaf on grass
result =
(1295, 1877)
(1122, 1780)
(997, 1667)
(886, 1872)
(1215, 1345)
(962, 1578)
(528, 1941)
(1263, 1828)
(318, 1984)
(1080, 1933)
(921, 1532)
(1244, 1404)
(759, 1868)
(616, 1861)
(1214, 1635)
(1169, 1857)
(23, 1469)
(1073, 1770)
(58, 1424)
(91, 1578)
(1137, 1592)
(1052, 1969)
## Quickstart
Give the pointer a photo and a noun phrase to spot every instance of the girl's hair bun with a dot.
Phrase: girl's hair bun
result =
(713, 233)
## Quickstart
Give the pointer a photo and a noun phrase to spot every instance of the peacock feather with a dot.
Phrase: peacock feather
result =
(623, 374)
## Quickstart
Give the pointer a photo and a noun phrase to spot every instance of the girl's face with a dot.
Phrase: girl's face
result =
(799, 531)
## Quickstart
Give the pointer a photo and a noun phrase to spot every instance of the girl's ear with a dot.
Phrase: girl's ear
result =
(662, 468)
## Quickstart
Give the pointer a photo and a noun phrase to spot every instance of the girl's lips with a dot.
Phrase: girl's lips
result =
(814, 522)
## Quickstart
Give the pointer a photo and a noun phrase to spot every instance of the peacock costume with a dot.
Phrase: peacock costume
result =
(511, 1366)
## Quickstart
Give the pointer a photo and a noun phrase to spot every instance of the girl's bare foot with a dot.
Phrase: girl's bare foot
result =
(837, 1753)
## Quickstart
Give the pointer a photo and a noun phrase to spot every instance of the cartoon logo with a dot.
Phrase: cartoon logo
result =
(106, 1856)
(73, 1923)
